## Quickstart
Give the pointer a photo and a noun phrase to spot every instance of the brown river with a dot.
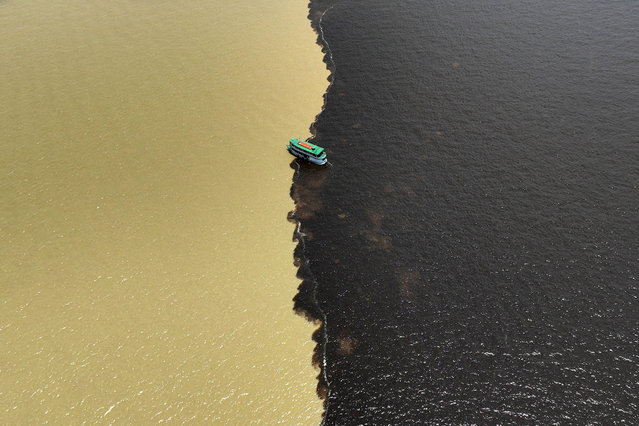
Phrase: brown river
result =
(146, 263)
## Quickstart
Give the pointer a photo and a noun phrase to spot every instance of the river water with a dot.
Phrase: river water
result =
(146, 268)
(473, 248)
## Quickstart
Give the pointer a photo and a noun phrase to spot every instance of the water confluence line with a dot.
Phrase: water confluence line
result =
(333, 68)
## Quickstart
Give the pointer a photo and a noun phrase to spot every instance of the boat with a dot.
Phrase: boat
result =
(307, 151)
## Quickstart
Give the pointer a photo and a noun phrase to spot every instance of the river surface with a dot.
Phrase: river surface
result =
(146, 264)
(473, 247)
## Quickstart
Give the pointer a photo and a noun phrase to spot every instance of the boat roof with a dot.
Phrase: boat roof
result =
(307, 146)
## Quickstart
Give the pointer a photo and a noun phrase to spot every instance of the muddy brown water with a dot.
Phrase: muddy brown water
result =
(146, 263)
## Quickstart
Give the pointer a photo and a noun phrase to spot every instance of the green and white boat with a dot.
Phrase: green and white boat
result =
(307, 151)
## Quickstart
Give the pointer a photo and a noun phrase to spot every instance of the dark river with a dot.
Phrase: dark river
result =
(473, 247)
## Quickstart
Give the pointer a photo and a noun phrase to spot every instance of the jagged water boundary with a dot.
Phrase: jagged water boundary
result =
(306, 301)
(328, 53)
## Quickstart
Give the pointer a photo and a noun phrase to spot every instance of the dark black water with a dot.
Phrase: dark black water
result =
(474, 247)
